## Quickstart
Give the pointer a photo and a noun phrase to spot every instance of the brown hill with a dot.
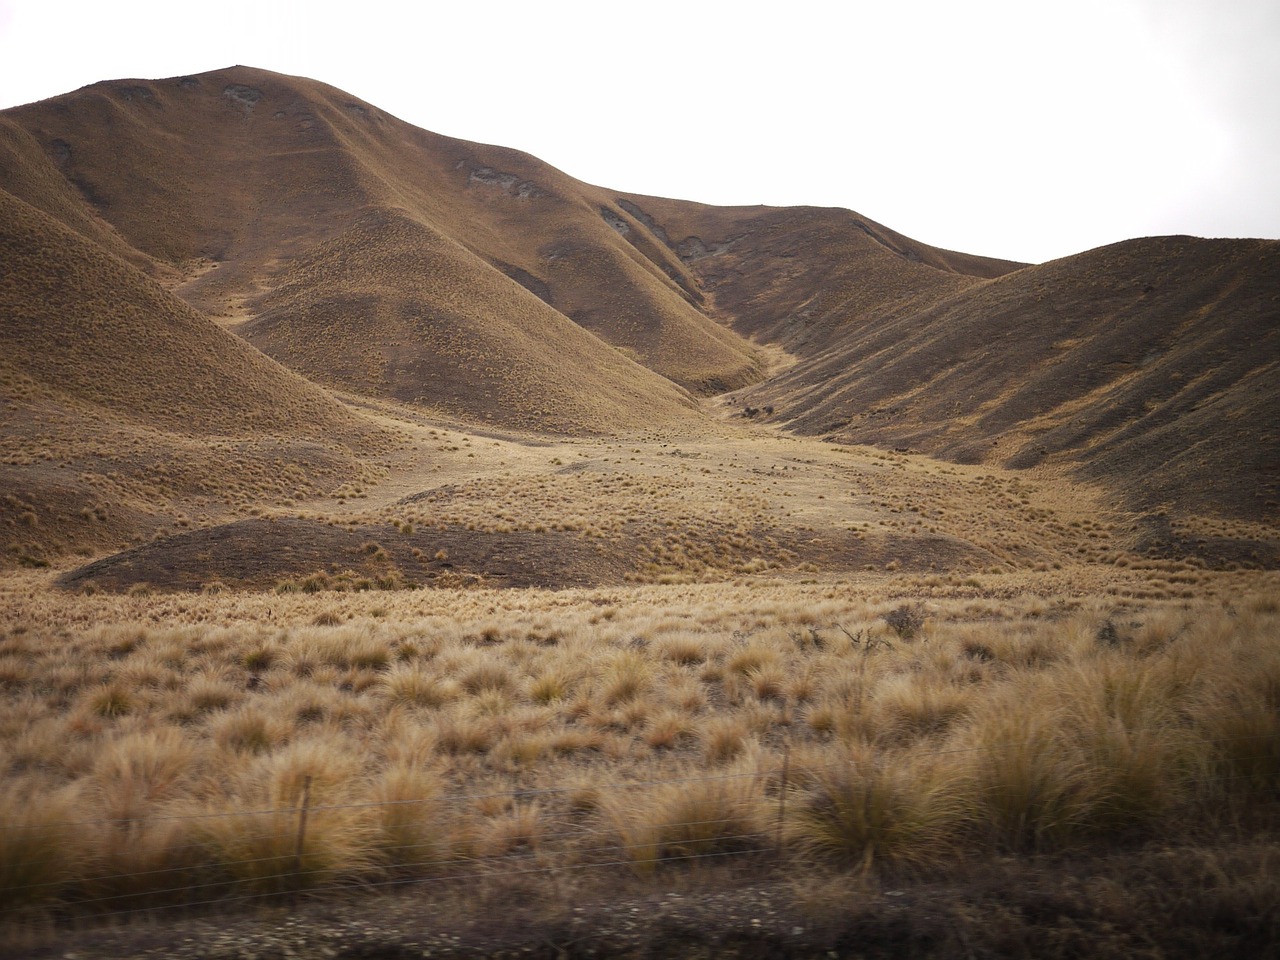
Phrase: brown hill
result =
(124, 405)
(373, 256)
(260, 190)
(1149, 364)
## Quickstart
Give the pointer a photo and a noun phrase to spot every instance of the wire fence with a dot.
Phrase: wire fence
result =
(290, 850)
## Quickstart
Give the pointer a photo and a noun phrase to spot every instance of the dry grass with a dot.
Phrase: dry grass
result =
(928, 749)
(797, 655)
(871, 812)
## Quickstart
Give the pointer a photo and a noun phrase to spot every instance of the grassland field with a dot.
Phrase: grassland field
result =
(817, 661)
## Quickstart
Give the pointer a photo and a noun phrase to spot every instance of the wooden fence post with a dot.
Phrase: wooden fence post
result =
(302, 827)
(782, 791)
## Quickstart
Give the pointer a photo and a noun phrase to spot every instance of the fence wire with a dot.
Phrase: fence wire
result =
(559, 846)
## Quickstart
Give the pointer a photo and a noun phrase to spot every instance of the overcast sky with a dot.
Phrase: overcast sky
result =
(1014, 128)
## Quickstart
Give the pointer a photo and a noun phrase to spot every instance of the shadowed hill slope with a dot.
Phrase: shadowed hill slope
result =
(1149, 364)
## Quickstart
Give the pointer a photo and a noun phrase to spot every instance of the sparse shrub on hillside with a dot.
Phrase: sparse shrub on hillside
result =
(905, 620)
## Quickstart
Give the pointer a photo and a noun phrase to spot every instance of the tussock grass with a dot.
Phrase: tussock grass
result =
(703, 815)
(907, 756)
(40, 848)
(412, 831)
(875, 811)
(415, 685)
(1025, 783)
(249, 729)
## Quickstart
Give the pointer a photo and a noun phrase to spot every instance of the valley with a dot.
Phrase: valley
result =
(389, 520)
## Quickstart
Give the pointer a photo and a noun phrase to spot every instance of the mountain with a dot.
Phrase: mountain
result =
(218, 276)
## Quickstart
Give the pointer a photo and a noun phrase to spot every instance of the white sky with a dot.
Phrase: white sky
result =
(1015, 128)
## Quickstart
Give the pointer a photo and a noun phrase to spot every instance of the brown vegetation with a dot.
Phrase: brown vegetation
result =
(152, 745)
(479, 583)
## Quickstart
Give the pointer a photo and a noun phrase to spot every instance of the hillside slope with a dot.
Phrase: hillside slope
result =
(124, 407)
(1149, 364)
(251, 191)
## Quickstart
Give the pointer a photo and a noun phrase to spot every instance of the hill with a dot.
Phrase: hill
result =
(123, 405)
(258, 195)
(1143, 365)
(479, 285)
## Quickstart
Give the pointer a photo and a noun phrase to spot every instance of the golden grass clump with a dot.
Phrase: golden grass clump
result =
(251, 832)
(412, 829)
(1240, 713)
(873, 811)
(413, 684)
(908, 707)
(626, 676)
(138, 770)
(701, 816)
(1026, 786)
(42, 845)
(723, 739)
(250, 729)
